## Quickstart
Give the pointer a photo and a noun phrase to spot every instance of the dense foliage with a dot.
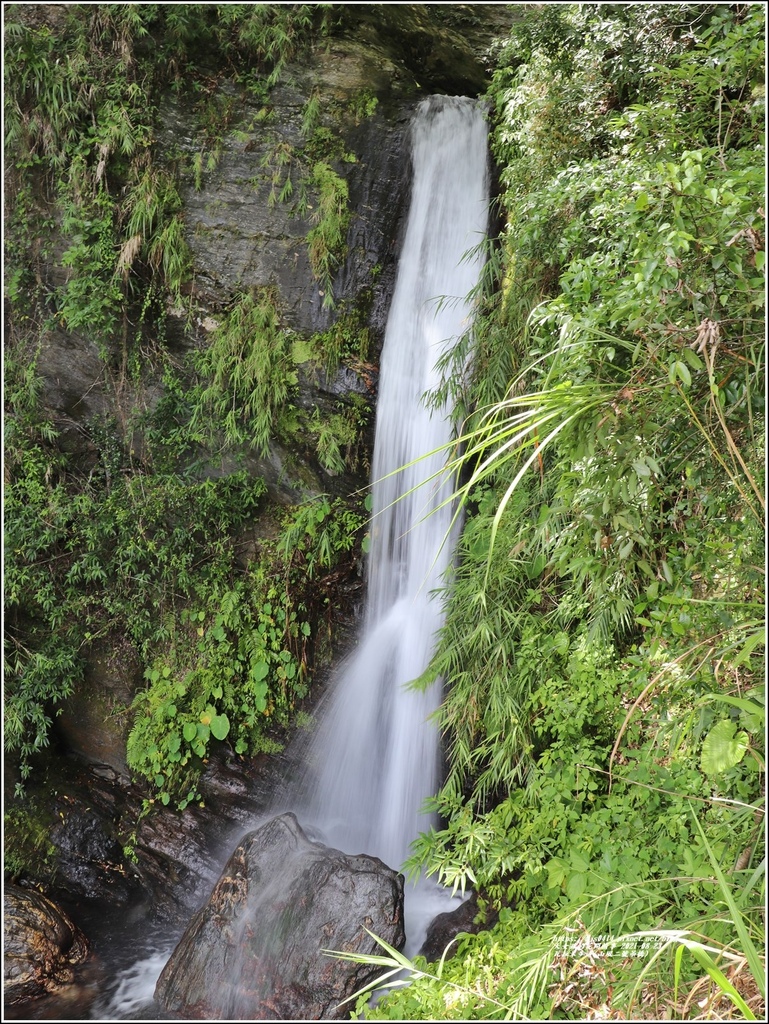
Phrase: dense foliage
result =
(143, 540)
(602, 656)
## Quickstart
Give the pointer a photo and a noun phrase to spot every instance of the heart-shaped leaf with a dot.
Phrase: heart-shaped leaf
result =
(721, 749)
(220, 726)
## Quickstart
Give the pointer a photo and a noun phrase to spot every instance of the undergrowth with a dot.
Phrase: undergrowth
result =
(602, 653)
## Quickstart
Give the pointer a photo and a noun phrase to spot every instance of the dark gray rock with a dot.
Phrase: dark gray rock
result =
(41, 945)
(446, 927)
(105, 847)
(442, 47)
(255, 950)
(242, 237)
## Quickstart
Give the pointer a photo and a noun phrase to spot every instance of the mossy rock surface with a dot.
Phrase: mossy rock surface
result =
(440, 48)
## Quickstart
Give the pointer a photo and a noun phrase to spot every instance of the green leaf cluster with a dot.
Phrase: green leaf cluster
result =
(234, 670)
(326, 240)
(119, 554)
(247, 373)
(319, 534)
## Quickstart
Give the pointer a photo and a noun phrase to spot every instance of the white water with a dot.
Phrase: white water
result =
(133, 996)
(376, 755)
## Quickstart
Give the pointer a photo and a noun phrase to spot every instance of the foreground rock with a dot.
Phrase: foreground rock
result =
(467, 919)
(254, 951)
(41, 946)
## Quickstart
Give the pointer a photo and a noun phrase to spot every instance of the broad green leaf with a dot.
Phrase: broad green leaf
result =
(682, 371)
(579, 863)
(722, 749)
(575, 885)
(693, 359)
(220, 726)
(556, 873)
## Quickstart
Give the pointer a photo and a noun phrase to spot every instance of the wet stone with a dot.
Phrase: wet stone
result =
(41, 946)
(255, 950)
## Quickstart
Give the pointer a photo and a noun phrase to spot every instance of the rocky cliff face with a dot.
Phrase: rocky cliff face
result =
(365, 79)
(244, 238)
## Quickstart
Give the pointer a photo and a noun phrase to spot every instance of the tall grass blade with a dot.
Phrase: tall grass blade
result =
(738, 918)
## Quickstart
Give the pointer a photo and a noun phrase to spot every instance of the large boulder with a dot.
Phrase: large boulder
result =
(255, 950)
(41, 946)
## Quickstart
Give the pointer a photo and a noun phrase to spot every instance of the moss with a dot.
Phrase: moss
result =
(27, 850)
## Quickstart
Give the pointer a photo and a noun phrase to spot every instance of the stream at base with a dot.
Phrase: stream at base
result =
(118, 984)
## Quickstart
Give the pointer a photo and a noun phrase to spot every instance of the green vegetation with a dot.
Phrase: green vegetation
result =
(326, 240)
(602, 654)
(141, 539)
(307, 169)
(248, 373)
(231, 671)
(118, 553)
(28, 849)
(238, 663)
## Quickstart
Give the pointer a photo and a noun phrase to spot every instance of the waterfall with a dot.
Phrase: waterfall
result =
(375, 757)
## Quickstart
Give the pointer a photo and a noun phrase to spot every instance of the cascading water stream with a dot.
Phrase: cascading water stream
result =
(375, 758)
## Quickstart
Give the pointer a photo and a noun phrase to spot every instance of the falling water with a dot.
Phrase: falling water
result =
(375, 754)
